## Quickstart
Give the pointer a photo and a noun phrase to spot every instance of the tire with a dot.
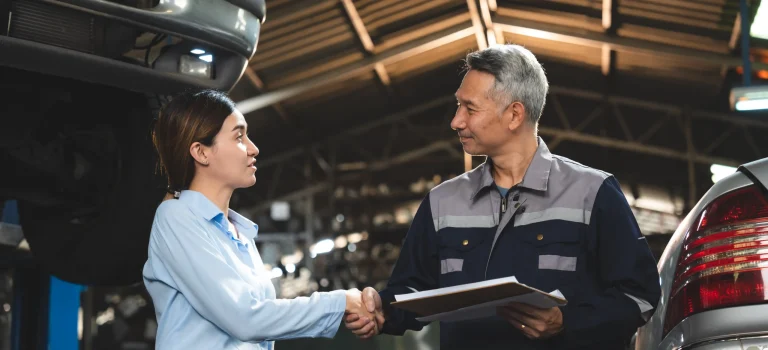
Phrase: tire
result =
(108, 246)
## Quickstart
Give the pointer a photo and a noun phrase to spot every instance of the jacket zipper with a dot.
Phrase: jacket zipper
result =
(503, 204)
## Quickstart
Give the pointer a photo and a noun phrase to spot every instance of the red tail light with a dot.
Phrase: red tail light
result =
(724, 258)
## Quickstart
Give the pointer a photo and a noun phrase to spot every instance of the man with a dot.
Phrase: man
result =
(547, 220)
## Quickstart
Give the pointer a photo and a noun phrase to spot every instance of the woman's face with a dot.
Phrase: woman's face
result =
(232, 158)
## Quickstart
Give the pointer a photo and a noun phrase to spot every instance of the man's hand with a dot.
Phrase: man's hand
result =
(359, 325)
(364, 325)
(535, 323)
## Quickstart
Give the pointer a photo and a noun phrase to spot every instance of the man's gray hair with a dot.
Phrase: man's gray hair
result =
(519, 77)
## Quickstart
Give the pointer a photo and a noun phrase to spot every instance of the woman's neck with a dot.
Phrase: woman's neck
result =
(219, 195)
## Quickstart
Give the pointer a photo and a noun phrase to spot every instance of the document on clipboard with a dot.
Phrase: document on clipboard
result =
(474, 300)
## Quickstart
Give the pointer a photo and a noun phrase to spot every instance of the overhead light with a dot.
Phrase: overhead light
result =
(749, 98)
(193, 66)
(720, 171)
(753, 105)
(341, 241)
(321, 247)
(290, 268)
(354, 238)
(207, 58)
(759, 28)
(197, 51)
(280, 211)
(276, 272)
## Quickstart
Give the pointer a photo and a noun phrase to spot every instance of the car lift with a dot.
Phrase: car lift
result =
(45, 309)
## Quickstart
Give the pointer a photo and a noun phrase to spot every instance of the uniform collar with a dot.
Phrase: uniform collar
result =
(536, 176)
(203, 207)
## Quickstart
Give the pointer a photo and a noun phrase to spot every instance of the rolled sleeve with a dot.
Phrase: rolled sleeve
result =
(199, 271)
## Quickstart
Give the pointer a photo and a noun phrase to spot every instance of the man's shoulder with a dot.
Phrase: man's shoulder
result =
(461, 185)
(564, 168)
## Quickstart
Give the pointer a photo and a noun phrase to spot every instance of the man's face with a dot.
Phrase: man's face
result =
(478, 119)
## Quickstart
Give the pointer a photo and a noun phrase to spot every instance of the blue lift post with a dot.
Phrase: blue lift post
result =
(745, 22)
(61, 300)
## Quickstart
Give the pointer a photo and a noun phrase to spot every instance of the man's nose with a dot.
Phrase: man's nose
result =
(458, 121)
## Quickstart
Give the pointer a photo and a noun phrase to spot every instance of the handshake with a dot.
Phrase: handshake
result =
(363, 314)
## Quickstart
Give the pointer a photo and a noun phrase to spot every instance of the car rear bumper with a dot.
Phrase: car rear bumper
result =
(743, 343)
(712, 327)
(215, 22)
(221, 28)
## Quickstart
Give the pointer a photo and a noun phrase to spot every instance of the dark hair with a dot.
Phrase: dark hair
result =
(194, 116)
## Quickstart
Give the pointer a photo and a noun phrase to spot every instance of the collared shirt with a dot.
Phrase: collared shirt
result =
(566, 226)
(210, 289)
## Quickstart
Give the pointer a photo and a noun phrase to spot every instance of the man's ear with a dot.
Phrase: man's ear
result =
(515, 114)
(198, 151)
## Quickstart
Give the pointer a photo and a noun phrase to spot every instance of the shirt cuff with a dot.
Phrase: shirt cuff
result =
(336, 304)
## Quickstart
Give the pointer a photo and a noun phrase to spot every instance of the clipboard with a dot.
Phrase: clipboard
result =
(468, 296)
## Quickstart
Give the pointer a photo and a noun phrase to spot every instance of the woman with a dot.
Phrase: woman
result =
(206, 279)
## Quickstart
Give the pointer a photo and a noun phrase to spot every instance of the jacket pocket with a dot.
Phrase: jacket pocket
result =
(463, 254)
(557, 256)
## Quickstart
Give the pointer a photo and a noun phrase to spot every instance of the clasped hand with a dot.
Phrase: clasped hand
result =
(364, 315)
(533, 322)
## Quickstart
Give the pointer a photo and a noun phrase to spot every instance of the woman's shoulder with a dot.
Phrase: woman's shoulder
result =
(174, 211)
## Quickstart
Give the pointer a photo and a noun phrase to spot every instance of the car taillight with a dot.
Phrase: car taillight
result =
(724, 258)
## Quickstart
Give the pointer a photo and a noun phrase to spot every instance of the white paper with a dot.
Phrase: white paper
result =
(459, 288)
(489, 309)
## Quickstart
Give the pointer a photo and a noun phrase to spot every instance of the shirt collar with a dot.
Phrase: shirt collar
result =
(536, 176)
(203, 207)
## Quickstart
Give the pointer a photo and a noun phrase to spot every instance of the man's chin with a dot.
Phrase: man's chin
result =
(471, 151)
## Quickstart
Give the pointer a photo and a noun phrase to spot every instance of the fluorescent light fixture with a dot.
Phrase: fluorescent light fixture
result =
(720, 171)
(197, 51)
(749, 98)
(207, 58)
(752, 105)
(759, 27)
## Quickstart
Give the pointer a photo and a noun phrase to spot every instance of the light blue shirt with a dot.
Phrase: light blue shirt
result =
(211, 291)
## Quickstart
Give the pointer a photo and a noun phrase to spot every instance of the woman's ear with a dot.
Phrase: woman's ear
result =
(198, 152)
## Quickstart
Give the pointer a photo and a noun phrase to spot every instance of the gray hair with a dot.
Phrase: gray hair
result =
(519, 77)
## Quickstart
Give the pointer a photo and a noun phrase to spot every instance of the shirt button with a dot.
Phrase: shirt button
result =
(522, 210)
(539, 237)
(465, 242)
(517, 205)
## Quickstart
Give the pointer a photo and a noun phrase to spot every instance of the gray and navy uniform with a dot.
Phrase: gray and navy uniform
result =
(566, 226)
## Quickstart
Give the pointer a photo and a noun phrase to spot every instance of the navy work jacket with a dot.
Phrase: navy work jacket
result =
(566, 226)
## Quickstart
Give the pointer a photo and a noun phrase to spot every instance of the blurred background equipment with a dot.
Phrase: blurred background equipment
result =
(350, 102)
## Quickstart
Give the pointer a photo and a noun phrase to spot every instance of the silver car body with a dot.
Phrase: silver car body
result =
(742, 327)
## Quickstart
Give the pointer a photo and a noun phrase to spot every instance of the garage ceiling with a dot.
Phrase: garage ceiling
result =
(359, 93)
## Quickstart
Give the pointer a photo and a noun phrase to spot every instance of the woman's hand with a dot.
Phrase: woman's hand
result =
(365, 326)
